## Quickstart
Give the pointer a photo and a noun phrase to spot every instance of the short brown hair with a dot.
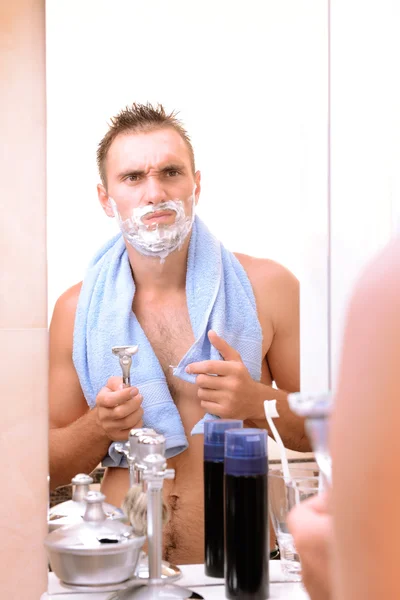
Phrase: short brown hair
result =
(140, 118)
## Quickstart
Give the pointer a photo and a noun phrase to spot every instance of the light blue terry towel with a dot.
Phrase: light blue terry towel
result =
(219, 297)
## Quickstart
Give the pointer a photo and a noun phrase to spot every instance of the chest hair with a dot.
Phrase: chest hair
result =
(170, 334)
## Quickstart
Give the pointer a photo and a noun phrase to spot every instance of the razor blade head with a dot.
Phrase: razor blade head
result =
(125, 350)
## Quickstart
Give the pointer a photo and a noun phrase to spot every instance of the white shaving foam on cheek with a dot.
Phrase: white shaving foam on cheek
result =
(157, 240)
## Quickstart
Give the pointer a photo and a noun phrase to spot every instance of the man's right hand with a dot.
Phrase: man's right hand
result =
(119, 409)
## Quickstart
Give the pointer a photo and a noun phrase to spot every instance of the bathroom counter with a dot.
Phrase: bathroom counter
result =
(194, 578)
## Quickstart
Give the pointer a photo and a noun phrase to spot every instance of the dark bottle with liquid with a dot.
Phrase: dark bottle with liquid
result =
(214, 443)
(246, 514)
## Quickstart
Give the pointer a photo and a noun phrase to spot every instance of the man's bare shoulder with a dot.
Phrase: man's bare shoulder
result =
(276, 291)
(66, 400)
(63, 319)
(266, 274)
(68, 301)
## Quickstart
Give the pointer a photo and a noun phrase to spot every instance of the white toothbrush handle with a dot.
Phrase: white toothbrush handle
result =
(278, 440)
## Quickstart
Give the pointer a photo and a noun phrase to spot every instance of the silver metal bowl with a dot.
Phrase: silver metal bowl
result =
(98, 566)
(97, 551)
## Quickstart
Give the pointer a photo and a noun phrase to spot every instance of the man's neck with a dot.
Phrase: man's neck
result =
(155, 277)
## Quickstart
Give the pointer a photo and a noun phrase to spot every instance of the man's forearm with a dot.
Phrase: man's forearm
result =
(77, 448)
(289, 425)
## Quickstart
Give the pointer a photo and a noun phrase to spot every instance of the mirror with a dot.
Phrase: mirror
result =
(250, 83)
(251, 88)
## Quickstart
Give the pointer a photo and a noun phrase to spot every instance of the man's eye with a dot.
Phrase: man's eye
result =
(172, 173)
(133, 178)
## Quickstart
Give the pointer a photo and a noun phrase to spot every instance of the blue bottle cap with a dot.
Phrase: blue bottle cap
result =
(246, 452)
(214, 437)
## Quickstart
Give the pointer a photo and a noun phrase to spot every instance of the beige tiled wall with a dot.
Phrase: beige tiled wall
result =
(23, 326)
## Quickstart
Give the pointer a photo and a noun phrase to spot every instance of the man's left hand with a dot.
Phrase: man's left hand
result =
(225, 387)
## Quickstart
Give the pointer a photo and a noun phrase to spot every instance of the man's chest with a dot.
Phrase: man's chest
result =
(169, 332)
(170, 335)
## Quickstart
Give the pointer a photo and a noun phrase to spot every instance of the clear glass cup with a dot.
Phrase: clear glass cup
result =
(283, 496)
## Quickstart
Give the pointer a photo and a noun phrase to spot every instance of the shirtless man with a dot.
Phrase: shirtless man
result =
(147, 154)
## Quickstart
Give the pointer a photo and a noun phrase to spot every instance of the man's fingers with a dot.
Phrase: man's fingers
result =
(114, 383)
(225, 350)
(119, 410)
(209, 395)
(108, 399)
(130, 421)
(122, 435)
(126, 408)
(210, 382)
(116, 425)
(213, 408)
(215, 367)
(212, 403)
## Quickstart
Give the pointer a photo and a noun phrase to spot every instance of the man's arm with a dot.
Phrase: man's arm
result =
(234, 394)
(77, 443)
(277, 294)
(79, 438)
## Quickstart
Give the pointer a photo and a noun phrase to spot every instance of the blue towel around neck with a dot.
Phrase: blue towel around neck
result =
(219, 297)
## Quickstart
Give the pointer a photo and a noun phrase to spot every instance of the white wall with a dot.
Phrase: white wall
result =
(365, 145)
(250, 81)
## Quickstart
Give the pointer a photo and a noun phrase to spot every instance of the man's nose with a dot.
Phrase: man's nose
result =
(155, 192)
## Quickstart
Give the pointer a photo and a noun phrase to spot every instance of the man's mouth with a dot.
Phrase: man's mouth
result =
(160, 216)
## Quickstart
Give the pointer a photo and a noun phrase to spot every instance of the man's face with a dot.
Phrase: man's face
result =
(145, 169)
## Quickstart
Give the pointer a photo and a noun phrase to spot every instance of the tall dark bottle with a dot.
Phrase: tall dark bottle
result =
(246, 515)
(214, 440)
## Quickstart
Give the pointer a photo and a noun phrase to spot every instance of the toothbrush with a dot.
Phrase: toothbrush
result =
(271, 412)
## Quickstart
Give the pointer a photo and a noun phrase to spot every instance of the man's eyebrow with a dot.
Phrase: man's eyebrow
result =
(129, 173)
(173, 167)
(140, 172)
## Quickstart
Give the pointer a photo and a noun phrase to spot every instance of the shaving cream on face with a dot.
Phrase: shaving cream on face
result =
(158, 239)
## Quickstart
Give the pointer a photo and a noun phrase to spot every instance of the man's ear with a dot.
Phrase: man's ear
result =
(197, 179)
(104, 200)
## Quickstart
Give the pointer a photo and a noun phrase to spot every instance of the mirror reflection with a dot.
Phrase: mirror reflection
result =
(174, 299)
